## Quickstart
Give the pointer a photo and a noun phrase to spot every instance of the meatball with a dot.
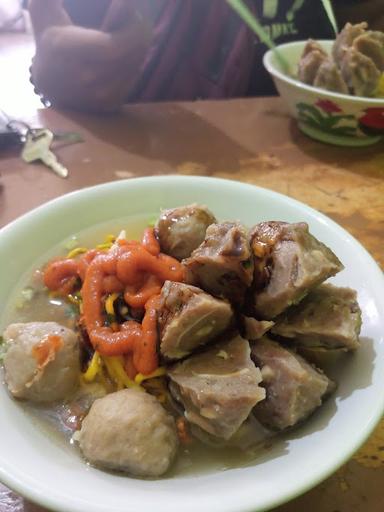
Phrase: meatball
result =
(222, 265)
(129, 431)
(181, 230)
(42, 362)
(289, 262)
(294, 388)
(327, 318)
(189, 318)
(219, 387)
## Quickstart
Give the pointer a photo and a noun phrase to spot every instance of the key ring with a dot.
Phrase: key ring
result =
(22, 128)
(36, 133)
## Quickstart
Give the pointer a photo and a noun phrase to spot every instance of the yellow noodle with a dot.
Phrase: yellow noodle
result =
(109, 303)
(75, 252)
(157, 373)
(93, 368)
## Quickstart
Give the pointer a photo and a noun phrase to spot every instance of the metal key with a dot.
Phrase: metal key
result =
(37, 147)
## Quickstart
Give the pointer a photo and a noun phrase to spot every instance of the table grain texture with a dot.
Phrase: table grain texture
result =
(253, 141)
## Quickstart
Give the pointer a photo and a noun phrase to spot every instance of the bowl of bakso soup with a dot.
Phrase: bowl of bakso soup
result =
(183, 342)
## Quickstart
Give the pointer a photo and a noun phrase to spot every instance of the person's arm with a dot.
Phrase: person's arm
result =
(355, 11)
(88, 69)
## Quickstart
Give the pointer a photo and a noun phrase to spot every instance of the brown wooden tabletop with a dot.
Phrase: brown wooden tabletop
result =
(250, 140)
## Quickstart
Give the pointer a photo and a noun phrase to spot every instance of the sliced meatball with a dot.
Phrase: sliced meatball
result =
(359, 72)
(312, 58)
(289, 261)
(329, 77)
(222, 265)
(219, 387)
(345, 39)
(189, 318)
(182, 229)
(42, 362)
(129, 431)
(247, 438)
(329, 317)
(294, 388)
(255, 329)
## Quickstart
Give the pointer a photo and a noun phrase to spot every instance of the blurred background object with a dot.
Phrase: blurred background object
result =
(355, 11)
(12, 16)
(17, 47)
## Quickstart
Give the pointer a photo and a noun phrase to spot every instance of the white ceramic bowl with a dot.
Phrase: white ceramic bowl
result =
(42, 470)
(323, 115)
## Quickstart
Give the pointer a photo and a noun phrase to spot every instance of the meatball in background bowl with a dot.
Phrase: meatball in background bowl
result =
(330, 117)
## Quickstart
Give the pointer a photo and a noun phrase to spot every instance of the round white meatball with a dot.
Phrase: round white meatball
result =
(42, 361)
(181, 230)
(129, 431)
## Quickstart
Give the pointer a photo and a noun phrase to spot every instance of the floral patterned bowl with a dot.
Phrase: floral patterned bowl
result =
(330, 117)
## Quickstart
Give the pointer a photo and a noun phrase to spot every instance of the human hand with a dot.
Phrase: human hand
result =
(88, 69)
(92, 69)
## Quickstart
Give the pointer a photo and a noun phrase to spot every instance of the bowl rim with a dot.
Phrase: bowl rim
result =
(267, 62)
(52, 501)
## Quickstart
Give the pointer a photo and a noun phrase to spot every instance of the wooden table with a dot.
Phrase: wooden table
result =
(249, 140)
